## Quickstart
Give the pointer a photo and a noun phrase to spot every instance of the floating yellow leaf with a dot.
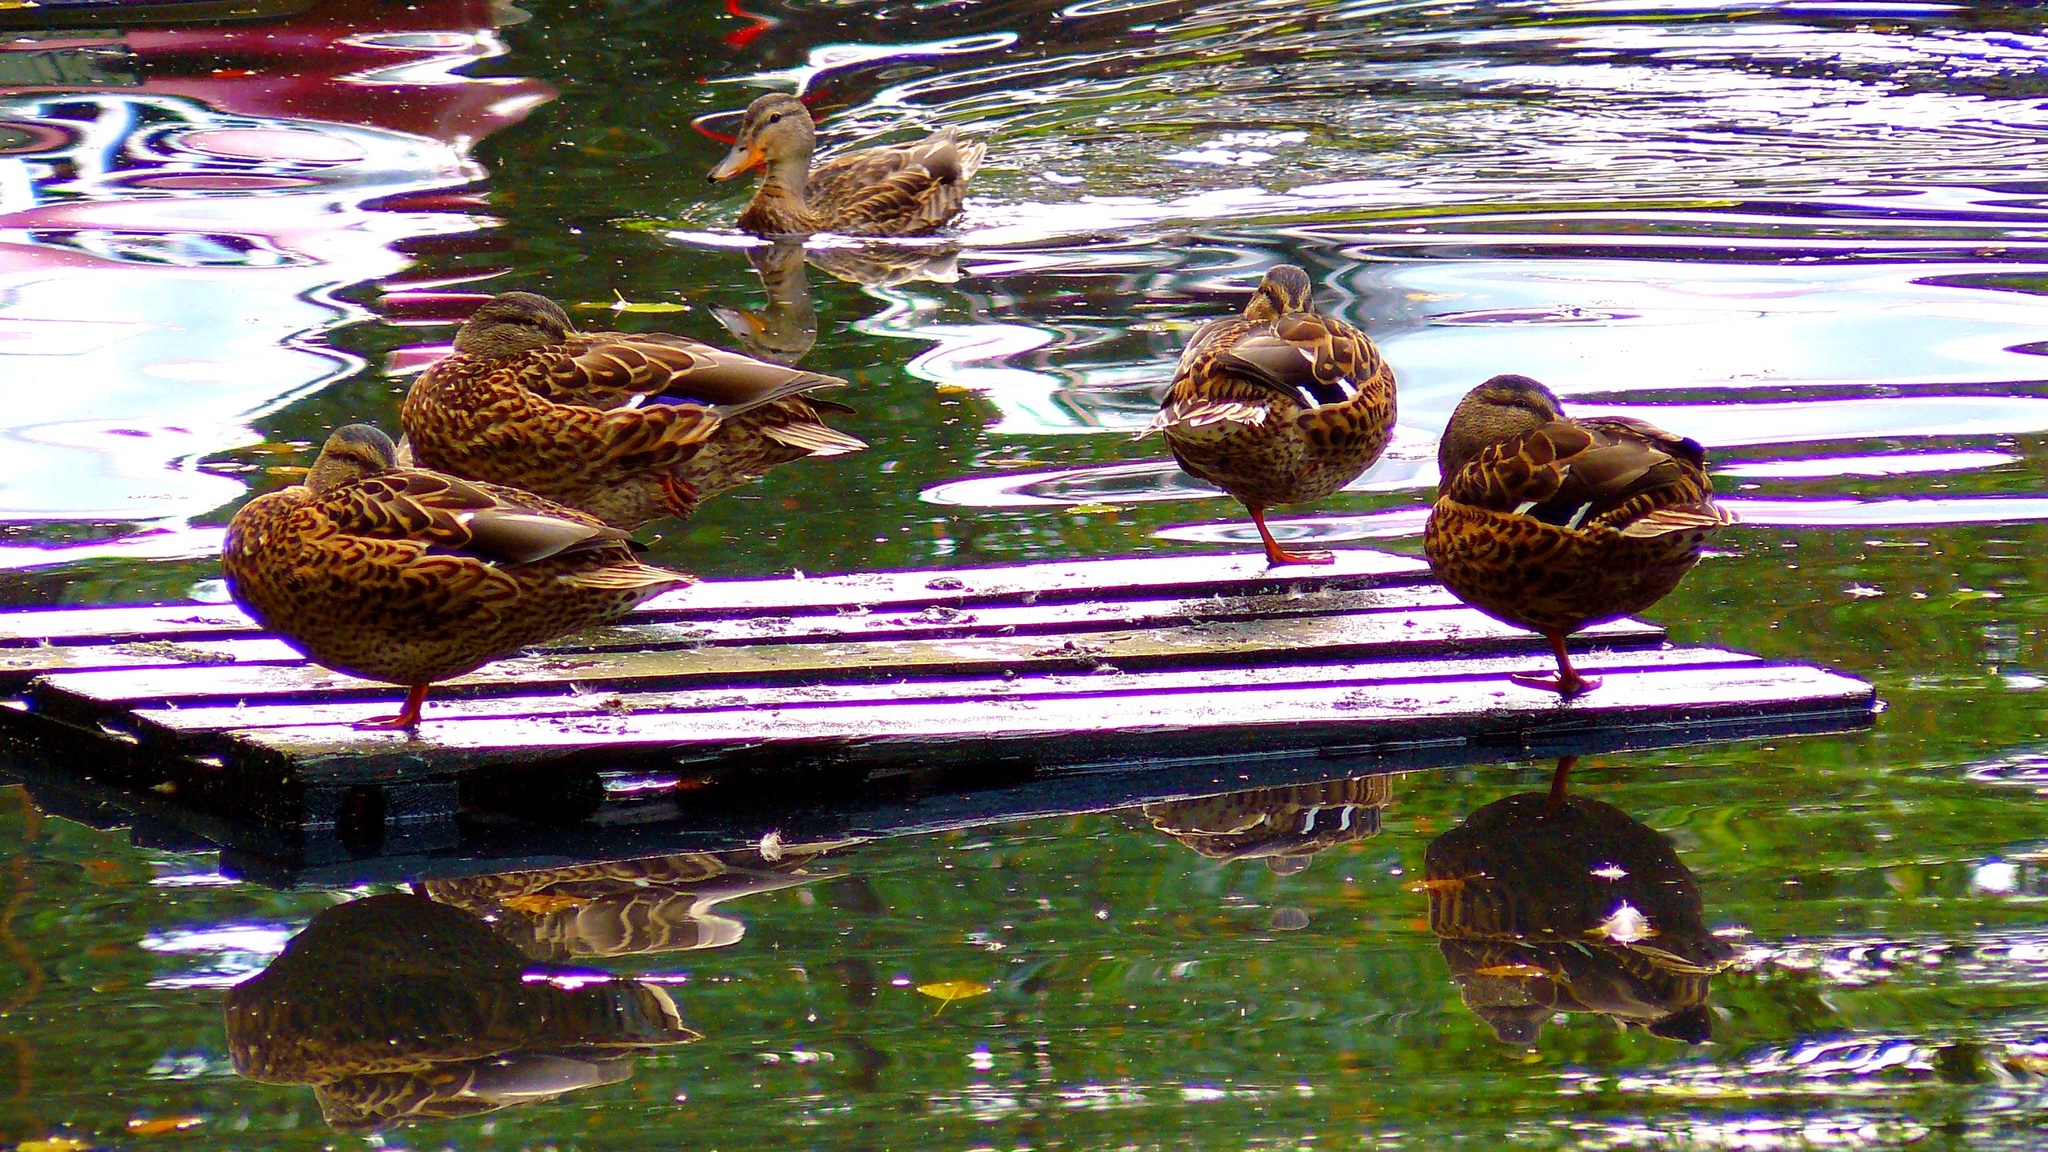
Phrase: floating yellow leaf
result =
(1441, 884)
(1091, 509)
(621, 304)
(1529, 970)
(947, 991)
(53, 1144)
(163, 1124)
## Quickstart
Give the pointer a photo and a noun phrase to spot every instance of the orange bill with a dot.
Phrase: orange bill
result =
(740, 159)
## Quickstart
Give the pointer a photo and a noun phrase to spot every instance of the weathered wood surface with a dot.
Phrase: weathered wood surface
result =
(1181, 576)
(1109, 671)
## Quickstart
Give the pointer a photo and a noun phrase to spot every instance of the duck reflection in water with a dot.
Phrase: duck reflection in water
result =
(1283, 826)
(627, 907)
(396, 1007)
(1547, 903)
(786, 329)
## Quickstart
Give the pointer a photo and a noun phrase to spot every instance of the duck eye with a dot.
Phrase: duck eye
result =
(776, 117)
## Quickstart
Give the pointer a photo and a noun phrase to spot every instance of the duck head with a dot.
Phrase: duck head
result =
(352, 453)
(512, 324)
(1501, 408)
(776, 131)
(1285, 289)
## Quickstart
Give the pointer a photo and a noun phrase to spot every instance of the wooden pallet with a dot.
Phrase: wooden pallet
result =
(993, 677)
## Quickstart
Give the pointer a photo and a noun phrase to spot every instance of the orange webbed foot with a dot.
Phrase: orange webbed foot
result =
(1567, 687)
(408, 717)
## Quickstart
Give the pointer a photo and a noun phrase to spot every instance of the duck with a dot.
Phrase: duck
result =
(894, 190)
(629, 428)
(1552, 523)
(412, 576)
(1281, 405)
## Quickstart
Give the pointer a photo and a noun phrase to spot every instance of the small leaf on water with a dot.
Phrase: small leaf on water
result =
(947, 991)
(163, 1124)
(1966, 595)
(1091, 509)
(1529, 970)
(53, 1144)
(621, 304)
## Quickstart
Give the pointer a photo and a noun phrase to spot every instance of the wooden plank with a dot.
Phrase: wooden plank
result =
(89, 696)
(200, 721)
(1186, 576)
(1080, 727)
(18, 666)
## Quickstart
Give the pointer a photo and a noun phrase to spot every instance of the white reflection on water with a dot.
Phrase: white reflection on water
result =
(171, 262)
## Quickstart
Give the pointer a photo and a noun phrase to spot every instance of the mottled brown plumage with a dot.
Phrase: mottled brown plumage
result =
(395, 1007)
(897, 190)
(411, 576)
(1281, 405)
(1552, 524)
(628, 907)
(1283, 826)
(1551, 903)
(629, 428)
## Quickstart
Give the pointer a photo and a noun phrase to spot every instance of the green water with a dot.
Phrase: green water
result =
(1810, 235)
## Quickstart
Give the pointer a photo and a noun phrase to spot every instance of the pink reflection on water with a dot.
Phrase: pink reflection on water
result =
(172, 240)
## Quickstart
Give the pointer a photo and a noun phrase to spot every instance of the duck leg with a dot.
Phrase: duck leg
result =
(1567, 682)
(1275, 554)
(408, 717)
(682, 495)
(1557, 783)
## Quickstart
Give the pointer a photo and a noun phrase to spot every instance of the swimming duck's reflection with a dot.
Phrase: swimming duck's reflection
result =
(396, 1007)
(1283, 826)
(787, 327)
(1547, 903)
(785, 330)
(628, 907)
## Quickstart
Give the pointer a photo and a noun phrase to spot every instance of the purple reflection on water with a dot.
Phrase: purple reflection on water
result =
(171, 247)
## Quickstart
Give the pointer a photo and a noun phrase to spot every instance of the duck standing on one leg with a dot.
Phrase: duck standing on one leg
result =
(897, 190)
(629, 428)
(1281, 405)
(410, 576)
(1551, 523)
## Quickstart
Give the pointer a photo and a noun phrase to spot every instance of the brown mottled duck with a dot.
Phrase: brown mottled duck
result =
(411, 576)
(1551, 523)
(627, 427)
(1281, 405)
(896, 190)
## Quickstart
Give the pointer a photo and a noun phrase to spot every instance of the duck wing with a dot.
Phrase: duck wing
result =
(896, 190)
(1311, 358)
(481, 522)
(1623, 473)
(614, 370)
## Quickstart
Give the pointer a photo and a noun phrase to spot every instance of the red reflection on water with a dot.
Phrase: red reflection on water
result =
(744, 36)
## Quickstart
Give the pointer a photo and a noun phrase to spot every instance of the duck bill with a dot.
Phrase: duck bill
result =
(740, 159)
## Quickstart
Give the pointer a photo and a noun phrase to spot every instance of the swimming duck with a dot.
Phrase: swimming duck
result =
(897, 190)
(626, 427)
(411, 576)
(1551, 523)
(1281, 405)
